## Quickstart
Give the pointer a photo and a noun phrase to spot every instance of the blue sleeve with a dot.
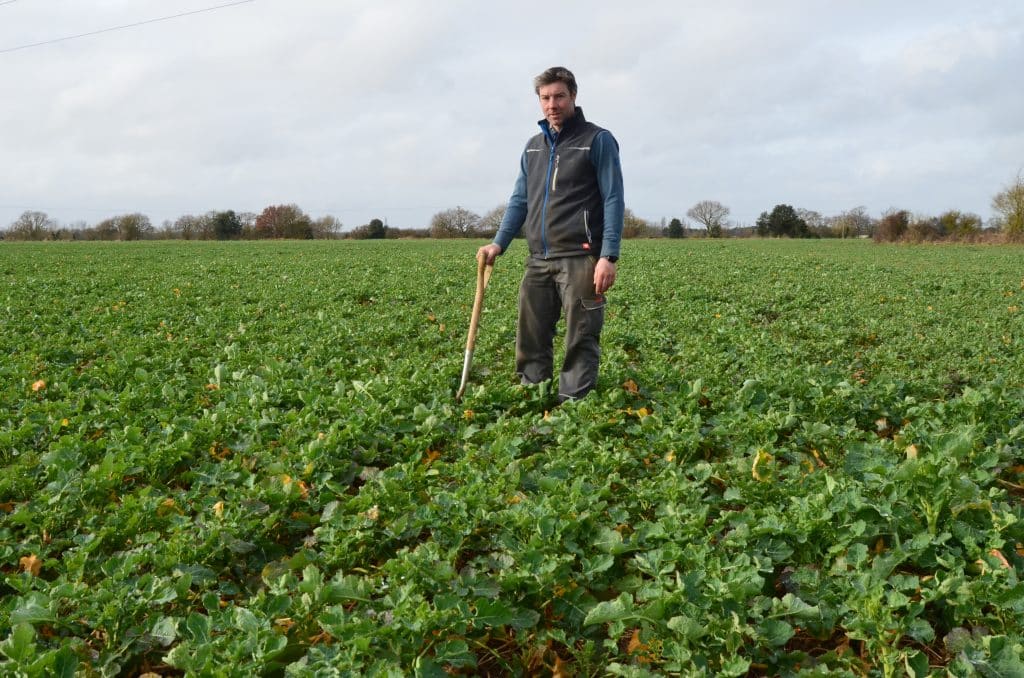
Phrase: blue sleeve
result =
(604, 153)
(515, 213)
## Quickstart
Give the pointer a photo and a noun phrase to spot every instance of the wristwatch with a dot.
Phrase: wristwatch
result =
(611, 258)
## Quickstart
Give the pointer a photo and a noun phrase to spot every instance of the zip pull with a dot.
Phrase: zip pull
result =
(554, 175)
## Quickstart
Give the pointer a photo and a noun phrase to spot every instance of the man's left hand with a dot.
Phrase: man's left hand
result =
(604, 275)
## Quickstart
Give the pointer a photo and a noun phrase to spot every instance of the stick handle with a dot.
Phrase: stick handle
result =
(483, 274)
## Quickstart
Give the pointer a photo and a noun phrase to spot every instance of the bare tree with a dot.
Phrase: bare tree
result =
(326, 227)
(1009, 207)
(636, 227)
(489, 222)
(248, 220)
(32, 225)
(712, 214)
(454, 223)
(892, 226)
(135, 226)
(852, 223)
(816, 223)
(283, 221)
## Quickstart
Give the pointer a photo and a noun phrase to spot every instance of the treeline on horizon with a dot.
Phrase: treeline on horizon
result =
(707, 218)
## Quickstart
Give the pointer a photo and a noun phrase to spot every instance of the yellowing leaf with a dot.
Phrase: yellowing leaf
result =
(167, 506)
(38, 385)
(220, 451)
(998, 555)
(31, 564)
(218, 509)
(817, 458)
(635, 644)
(631, 386)
(761, 456)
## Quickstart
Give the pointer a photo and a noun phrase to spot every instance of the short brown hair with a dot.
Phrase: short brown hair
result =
(553, 75)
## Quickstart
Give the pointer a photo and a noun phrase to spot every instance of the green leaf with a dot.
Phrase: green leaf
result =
(197, 628)
(455, 653)
(687, 627)
(524, 619)
(792, 606)
(916, 664)
(20, 646)
(611, 610)
(425, 667)
(776, 632)
(734, 667)
(65, 663)
(955, 444)
(598, 563)
(33, 609)
(165, 630)
(312, 580)
(1007, 658)
(493, 612)
(246, 621)
(348, 587)
(609, 541)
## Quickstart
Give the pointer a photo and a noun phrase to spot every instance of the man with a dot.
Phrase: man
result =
(568, 202)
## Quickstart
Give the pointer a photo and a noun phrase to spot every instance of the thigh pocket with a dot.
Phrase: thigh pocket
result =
(593, 313)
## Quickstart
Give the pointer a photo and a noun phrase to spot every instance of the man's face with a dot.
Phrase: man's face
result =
(556, 103)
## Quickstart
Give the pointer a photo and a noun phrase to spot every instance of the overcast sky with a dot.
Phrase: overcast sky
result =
(400, 109)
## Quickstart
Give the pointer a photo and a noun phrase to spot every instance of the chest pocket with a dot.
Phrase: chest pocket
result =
(572, 167)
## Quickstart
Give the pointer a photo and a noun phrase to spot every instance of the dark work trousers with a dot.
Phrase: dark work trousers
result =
(549, 288)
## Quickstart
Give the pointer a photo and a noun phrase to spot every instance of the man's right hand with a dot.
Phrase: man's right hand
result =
(489, 253)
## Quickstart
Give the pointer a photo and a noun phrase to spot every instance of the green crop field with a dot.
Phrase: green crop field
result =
(803, 458)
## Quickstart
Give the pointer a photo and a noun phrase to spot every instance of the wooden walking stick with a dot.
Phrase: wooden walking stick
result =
(483, 274)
